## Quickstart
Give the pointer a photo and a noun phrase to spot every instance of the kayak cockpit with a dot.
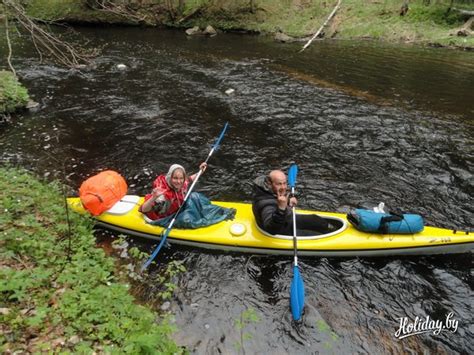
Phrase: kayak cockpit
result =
(128, 202)
(338, 225)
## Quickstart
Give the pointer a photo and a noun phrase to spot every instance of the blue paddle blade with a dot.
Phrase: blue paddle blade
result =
(292, 175)
(296, 294)
(218, 140)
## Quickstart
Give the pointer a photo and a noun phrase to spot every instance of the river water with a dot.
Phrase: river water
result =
(365, 122)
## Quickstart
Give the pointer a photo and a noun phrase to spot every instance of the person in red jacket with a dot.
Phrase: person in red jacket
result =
(168, 192)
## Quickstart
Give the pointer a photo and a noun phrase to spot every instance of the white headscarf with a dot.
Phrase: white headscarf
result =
(170, 172)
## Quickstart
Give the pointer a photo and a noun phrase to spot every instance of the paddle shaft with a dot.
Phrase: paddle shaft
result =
(198, 175)
(295, 240)
(297, 285)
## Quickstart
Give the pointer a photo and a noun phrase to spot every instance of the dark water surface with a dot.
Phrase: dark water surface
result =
(365, 122)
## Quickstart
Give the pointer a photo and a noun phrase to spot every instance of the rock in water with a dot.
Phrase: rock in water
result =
(281, 37)
(193, 31)
(210, 31)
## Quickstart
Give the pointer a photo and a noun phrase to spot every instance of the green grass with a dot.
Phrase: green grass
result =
(422, 24)
(376, 19)
(55, 304)
(13, 95)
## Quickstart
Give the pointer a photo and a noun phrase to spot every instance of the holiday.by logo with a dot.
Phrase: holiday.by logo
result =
(426, 325)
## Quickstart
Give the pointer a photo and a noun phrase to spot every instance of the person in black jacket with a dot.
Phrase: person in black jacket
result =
(272, 208)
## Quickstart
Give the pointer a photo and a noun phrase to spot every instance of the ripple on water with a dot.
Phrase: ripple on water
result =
(375, 124)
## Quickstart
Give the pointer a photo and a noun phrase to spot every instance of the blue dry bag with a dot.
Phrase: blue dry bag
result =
(393, 223)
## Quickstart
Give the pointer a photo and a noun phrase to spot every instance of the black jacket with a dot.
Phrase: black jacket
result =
(265, 209)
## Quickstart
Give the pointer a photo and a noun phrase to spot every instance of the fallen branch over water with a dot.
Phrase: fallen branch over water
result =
(45, 42)
(331, 15)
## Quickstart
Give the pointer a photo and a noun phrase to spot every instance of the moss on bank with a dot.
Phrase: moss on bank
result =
(61, 297)
(13, 96)
(381, 20)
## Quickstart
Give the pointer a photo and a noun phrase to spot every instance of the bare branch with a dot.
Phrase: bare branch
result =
(44, 41)
(9, 58)
(119, 10)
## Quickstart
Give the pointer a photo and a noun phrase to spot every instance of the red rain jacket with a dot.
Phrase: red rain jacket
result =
(173, 198)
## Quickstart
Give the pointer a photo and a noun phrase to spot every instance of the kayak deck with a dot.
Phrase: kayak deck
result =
(243, 235)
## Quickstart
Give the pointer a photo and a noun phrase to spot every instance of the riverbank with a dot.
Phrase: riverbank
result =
(13, 96)
(420, 22)
(60, 292)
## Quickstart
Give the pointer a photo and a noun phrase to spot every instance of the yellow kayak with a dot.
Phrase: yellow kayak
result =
(243, 235)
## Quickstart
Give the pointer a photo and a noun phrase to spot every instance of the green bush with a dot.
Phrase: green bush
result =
(13, 96)
(61, 299)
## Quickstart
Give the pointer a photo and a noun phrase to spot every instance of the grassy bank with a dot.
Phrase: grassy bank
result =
(425, 22)
(60, 296)
(13, 96)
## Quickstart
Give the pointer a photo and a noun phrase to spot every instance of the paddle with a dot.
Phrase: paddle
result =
(297, 286)
(170, 226)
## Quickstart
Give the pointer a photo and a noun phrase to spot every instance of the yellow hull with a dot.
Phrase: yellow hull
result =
(242, 234)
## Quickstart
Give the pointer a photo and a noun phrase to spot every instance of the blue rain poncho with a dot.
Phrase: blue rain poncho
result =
(198, 212)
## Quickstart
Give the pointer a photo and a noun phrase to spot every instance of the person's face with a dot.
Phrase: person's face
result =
(279, 184)
(177, 179)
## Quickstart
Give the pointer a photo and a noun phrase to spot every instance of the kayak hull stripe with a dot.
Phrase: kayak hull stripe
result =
(415, 250)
